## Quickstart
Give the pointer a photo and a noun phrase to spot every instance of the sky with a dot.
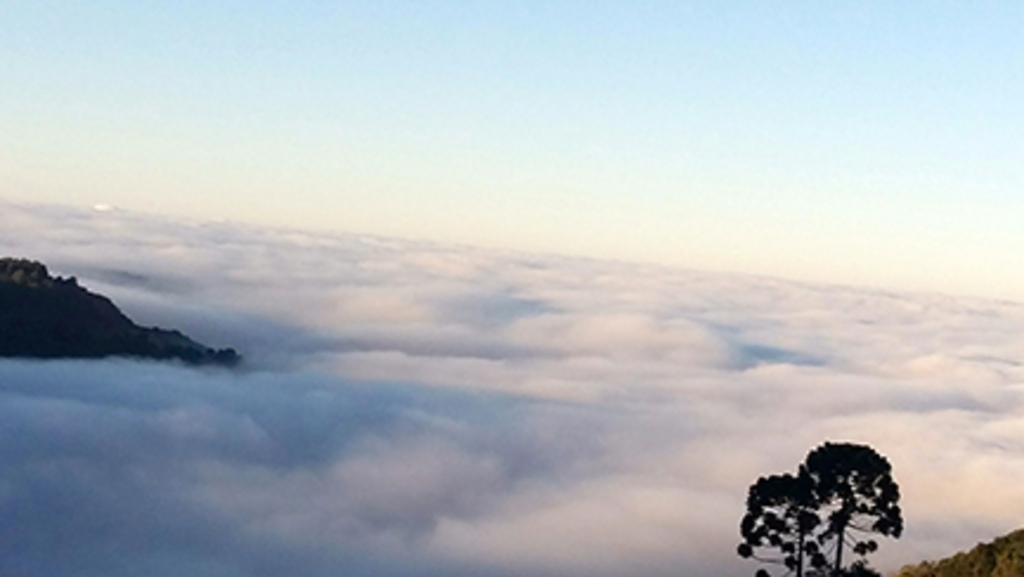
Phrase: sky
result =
(414, 408)
(859, 143)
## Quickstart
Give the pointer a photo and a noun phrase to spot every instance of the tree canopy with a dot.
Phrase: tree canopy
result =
(841, 496)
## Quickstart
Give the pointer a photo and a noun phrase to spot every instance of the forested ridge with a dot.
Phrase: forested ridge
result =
(1003, 557)
(42, 316)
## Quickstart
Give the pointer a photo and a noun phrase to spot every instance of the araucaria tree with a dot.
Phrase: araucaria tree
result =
(782, 514)
(858, 496)
(841, 496)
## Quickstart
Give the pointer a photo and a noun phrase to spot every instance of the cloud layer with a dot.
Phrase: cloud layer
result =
(417, 409)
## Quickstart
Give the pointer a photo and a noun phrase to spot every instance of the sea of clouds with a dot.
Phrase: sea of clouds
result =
(409, 408)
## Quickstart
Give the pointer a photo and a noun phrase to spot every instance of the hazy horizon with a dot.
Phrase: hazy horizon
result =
(858, 143)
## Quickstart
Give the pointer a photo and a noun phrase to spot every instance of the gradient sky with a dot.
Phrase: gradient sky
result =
(853, 142)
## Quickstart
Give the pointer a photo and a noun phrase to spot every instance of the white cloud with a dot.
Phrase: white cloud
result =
(418, 409)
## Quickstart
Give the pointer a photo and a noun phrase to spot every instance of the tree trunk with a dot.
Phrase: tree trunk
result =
(839, 553)
(800, 555)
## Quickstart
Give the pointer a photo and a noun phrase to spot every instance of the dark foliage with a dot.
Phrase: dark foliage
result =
(855, 487)
(841, 494)
(47, 317)
(781, 514)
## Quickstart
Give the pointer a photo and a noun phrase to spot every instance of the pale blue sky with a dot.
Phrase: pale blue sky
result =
(856, 142)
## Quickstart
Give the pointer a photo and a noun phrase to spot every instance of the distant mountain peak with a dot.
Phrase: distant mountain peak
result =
(42, 316)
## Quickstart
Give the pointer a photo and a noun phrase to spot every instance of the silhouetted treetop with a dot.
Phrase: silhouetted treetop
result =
(842, 495)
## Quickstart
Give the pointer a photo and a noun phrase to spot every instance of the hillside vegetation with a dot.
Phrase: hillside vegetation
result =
(50, 317)
(1003, 557)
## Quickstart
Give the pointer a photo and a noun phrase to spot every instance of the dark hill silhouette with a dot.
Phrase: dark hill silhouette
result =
(1003, 557)
(51, 317)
